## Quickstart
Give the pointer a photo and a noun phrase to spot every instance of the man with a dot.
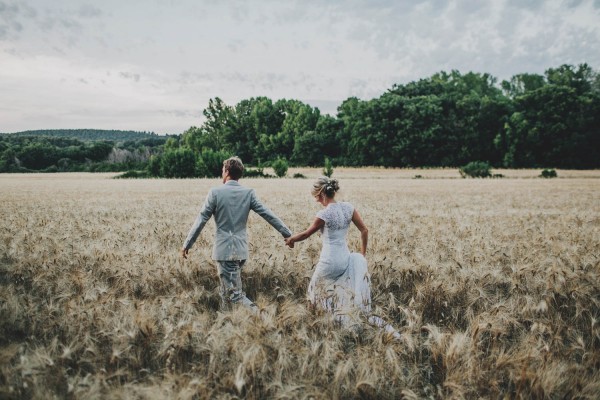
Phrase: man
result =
(230, 204)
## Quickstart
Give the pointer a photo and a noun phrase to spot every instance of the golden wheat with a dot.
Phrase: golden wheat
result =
(494, 285)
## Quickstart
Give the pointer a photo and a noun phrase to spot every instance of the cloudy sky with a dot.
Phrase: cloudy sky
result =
(153, 65)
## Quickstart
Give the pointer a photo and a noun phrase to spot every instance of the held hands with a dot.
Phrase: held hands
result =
(289, 241)
(184, 253)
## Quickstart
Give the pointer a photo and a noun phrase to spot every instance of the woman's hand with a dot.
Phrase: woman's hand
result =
(298, 237)
(289, 242)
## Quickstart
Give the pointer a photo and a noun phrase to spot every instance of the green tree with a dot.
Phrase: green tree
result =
(8, 160)
(280, 166)
(154, 165)
(38, 155)
(522, 83)
(98, 151)
(178, 163)
(556, 125)
(299, 118)
(210, 163)
(267, 120)
(328, 168)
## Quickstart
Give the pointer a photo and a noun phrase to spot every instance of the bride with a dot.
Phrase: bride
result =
(341, 283)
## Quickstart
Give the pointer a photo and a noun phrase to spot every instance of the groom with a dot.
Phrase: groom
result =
(230, 204)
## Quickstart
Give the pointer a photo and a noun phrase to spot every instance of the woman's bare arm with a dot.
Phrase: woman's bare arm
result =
(298, 237)
(364, 232)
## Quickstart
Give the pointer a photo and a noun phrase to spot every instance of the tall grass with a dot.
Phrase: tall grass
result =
(494, 285)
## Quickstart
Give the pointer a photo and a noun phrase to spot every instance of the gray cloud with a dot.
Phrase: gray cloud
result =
(236, 45)
(527, 4)
(11, 16)
(469, 35)
(89, 11)
(132, 76)
(183, 52)
(57, 22)
(325, 106)
(182, 113)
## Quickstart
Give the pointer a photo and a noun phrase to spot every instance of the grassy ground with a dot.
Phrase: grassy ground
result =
(494, 285)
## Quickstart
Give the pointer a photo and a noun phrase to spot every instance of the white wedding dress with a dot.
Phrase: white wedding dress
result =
(341, 283)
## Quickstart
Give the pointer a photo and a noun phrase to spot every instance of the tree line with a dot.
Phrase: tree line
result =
(90, 135)
(21, 153)
(446, 120)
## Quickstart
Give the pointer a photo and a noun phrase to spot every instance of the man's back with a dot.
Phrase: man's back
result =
(230, 205)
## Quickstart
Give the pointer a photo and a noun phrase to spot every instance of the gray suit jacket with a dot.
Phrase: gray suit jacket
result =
(230, 204)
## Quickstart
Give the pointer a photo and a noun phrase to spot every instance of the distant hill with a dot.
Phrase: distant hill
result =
(89, 135)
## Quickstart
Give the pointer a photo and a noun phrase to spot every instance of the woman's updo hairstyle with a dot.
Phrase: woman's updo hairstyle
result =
(325, 185)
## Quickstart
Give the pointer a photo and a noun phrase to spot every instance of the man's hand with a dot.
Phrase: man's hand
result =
(184, 253)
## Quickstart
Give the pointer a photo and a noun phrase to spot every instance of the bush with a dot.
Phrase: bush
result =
(328, 169)
(133, 174)
(52, 168)
(548, 173)
(476, 169)
(298, 175)
(256, 173)
(107, 167)
(280, 166)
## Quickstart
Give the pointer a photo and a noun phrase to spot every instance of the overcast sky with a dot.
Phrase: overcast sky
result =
(153, 65)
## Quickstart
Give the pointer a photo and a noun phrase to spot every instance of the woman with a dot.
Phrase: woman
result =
(340, 283)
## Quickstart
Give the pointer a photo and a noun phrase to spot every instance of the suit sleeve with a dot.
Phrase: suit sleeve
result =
(269, 216)
(205, 213)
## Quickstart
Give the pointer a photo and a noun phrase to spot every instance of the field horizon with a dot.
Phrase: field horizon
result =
(493, 284)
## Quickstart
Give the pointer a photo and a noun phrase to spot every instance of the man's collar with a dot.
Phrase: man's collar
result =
(232, 182)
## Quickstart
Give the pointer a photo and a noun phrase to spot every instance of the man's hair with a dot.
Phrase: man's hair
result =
(234, 166)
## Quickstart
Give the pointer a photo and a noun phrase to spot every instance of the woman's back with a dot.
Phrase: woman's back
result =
(337, 217)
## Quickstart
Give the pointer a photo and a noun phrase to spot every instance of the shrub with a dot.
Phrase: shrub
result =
(256, 173)
(52, 168)
(298, 175)
(476, 169)
(133, 174)
(328, 168)
(280, 166)
(548, 173)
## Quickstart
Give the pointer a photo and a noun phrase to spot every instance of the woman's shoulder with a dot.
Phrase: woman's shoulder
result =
(347, 209)
(329, 211)
(346, 205)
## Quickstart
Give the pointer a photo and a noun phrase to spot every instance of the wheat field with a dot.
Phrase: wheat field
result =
(494, 285)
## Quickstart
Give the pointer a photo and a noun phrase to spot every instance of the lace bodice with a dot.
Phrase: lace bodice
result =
(337, 216)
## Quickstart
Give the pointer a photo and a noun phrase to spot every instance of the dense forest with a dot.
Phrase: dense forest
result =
(65, 154)
(446, 120)
(90, 135)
